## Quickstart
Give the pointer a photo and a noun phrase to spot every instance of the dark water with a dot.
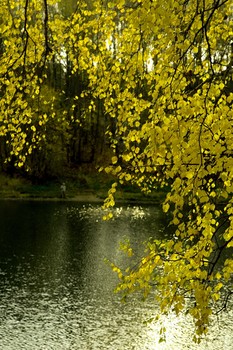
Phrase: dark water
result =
(56, 290)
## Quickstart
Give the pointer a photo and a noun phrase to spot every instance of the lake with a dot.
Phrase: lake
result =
(56, 292)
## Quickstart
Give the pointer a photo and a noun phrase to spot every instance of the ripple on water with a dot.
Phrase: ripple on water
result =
(87, 323)
(56, 293)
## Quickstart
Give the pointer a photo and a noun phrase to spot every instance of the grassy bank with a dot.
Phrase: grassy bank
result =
(89, 186)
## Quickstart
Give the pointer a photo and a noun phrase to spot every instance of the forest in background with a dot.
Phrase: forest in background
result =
(75, 140)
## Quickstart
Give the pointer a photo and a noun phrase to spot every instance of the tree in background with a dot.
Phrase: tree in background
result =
(159, 74)
(46, 122)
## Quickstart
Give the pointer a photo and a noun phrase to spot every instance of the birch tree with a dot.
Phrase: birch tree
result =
(162, 71)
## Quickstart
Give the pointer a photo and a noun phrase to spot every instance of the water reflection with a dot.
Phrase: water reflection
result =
(56, 291)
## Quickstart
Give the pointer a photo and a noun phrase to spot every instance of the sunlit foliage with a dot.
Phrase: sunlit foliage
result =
(162, 70)
(24, 50)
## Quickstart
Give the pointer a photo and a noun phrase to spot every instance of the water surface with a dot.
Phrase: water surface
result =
(56, 292)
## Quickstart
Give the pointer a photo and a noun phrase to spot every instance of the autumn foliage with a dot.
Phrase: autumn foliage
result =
(163, 73)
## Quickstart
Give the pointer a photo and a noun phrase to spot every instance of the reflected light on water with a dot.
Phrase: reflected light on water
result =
(179, 333)
(56, 293)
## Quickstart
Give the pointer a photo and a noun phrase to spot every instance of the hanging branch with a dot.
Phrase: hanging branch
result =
(46, 19)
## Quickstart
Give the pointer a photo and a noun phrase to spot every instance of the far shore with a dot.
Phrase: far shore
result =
(78, 198)
(91, 191)
(84, 198)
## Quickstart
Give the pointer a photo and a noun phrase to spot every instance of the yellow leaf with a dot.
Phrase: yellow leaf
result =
(114, 160)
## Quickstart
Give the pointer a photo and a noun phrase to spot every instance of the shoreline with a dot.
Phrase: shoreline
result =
(81, 198)
(84, 198)
(93, 191)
